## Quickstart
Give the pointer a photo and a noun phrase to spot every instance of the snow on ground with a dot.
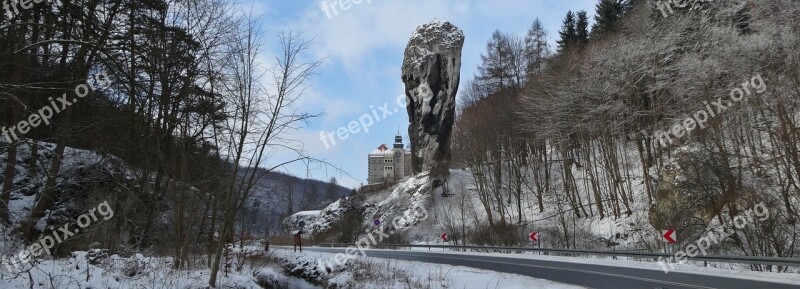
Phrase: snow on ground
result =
(136, 272)
(379, 273)
(740, 271)
(450, 213)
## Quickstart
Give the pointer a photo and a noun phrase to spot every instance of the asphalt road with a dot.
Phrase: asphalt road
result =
(586, 275)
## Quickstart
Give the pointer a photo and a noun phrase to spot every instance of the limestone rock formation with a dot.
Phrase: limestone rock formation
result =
(431, 73)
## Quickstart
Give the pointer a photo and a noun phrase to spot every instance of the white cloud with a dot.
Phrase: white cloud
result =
(366, 27)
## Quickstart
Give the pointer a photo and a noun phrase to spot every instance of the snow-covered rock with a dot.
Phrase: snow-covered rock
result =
(319, 221)
(398, 208)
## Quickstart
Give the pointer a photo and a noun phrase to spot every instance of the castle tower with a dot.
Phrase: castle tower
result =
(389, 165)
(398, 142)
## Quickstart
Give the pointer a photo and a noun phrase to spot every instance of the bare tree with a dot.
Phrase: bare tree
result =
(253, 132)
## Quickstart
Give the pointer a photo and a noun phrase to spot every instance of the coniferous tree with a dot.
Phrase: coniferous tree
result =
(608, 14)
(568, 33)
(582, 28)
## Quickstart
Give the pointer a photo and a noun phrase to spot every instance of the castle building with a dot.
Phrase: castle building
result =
(389, 165)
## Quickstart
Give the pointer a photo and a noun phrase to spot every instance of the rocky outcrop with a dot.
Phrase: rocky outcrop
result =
(685, 195)
(431, 73)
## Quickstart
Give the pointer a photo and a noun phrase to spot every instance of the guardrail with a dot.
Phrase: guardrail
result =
(778, 261)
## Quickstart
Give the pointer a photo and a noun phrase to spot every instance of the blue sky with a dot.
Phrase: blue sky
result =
(363, 51)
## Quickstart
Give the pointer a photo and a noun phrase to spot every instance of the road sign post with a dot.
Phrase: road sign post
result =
(298, 237)
(669, 236)
(297, 240)
(534, 237)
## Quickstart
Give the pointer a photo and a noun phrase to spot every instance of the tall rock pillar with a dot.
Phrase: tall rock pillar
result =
(431, 73)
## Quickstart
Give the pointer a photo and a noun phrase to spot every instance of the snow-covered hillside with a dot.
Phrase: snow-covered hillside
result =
(86, 179)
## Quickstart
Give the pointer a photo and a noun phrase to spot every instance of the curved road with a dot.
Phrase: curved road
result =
(587, 275)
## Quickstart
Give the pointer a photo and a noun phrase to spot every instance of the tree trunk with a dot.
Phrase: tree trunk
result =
(10, 171)
(45, 201)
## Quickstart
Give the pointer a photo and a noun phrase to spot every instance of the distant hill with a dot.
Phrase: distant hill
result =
(277, 195)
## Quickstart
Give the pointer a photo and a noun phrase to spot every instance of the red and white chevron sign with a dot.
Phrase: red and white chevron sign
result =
(670, 236)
